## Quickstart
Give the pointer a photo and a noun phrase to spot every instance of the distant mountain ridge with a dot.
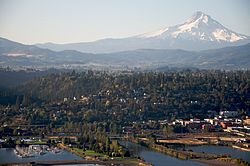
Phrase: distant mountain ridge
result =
(199, 32)
(16, 55)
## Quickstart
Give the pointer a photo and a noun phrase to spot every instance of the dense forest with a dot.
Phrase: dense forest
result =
(129, 96)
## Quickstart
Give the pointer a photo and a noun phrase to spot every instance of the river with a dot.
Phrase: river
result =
(234, 153)
(155, 158)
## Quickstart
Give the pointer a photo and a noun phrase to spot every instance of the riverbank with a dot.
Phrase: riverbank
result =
(183, 141)
(241, 148)
(215, 162)
(102, 159)
(114, 162)
(184, 155)
(206, 158)
(60, 145)
(70, 162)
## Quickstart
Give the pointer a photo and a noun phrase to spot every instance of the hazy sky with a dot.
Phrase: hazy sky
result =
(67, 21)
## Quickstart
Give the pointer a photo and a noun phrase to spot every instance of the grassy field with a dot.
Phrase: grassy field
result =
(87, 153)
(91, 153)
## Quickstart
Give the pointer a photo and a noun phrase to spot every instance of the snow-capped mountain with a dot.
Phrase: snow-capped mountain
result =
(197, 33)
(199, 27)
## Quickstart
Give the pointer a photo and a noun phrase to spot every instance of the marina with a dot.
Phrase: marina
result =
(24, 155)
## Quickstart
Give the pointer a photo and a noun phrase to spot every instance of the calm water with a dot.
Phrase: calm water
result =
(7, 155)
(234, 153)
(80, 165)
(158, 159)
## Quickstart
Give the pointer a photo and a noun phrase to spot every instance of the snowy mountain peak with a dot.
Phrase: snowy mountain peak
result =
(200, 17)
(199, 27)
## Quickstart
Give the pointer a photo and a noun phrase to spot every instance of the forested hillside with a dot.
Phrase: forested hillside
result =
(147, 95)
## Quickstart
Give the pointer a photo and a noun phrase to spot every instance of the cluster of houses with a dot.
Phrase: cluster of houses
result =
(225, 121)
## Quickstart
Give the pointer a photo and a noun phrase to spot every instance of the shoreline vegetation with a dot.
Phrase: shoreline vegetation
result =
(70, 162)
(92, 157)
(100, 158)
(210, 159)
(241, 148)
(165, 146)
